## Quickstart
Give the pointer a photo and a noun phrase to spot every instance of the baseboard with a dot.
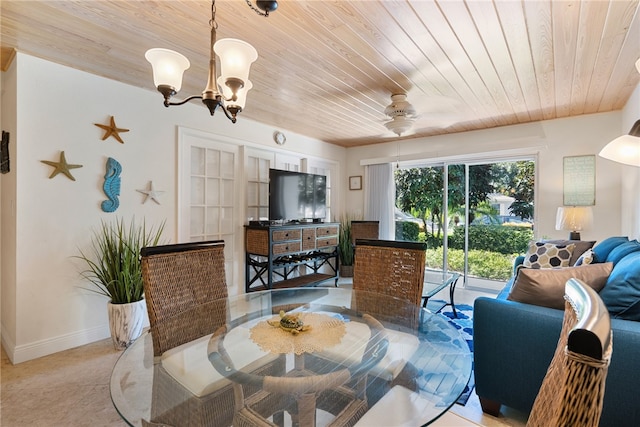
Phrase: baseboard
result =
(22, 353)
(7, 344)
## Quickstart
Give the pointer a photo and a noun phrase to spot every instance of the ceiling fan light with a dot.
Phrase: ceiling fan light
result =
(236, 57)
(399, 124)
(168, 67)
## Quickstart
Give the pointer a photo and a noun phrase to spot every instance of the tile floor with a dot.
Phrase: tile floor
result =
(71, 388)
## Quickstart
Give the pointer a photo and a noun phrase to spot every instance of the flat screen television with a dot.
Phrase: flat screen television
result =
(296, 196)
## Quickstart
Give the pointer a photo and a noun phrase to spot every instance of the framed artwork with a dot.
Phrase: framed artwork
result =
(579, 180)
(355, 182)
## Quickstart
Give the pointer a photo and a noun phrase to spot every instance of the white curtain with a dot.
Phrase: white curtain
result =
(379, 198)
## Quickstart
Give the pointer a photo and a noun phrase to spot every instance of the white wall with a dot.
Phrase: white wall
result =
(45, 308)
(549, 140)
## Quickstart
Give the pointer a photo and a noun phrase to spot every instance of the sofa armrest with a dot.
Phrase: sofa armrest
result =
(517, 263)
(513, 346)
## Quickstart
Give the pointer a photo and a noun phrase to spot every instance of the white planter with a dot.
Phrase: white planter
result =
(126, 322)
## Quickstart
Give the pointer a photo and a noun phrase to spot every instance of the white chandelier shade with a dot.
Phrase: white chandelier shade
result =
(168, 67)
(236, 57)
(241, 94)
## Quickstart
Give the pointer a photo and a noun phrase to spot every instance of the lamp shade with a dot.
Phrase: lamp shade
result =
(574, 218)
(624, 149)
(236, 57)
(168, 67)
(241, 94)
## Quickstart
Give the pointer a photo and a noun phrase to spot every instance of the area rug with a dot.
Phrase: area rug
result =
(464, 323)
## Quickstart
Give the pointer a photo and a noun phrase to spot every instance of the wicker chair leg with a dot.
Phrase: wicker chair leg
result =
(490, 407)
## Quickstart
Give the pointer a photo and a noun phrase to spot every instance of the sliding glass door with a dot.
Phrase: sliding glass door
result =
(475, 217)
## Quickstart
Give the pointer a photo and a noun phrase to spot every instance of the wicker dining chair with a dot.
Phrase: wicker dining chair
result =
(572, 391)
(340, 392)
(391, 268)
(364, 230)
(186, 295)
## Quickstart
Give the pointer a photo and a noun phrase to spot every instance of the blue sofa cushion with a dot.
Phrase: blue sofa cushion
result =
(623, 250)
(602, 249)
(621, 293)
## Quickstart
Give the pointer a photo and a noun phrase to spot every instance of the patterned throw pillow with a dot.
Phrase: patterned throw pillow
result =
(547, 255)
(585, 258)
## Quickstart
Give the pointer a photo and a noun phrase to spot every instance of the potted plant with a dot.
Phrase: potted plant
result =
(113, 267)
(345, 247)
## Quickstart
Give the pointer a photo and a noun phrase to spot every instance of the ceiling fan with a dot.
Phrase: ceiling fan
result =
(401, 113)
(402, 116)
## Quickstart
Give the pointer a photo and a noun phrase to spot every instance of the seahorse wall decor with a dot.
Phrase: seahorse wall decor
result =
(111, 185)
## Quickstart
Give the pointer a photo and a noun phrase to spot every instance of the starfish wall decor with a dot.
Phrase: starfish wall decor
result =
(61, 166)
(151, 193)
(112, 130)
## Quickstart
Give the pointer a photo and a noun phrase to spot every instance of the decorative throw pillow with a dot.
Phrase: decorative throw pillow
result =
(602, 249)
(622, 251)
(580, 247)
(621, 294)
(585, 259)
(547, 255)
(545, 287)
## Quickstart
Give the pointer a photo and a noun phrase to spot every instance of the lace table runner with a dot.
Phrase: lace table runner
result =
(326, 331)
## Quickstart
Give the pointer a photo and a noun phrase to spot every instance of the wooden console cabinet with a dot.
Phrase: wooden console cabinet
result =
(292, 255)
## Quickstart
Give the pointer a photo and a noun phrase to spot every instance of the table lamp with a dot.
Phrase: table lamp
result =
(574, 219)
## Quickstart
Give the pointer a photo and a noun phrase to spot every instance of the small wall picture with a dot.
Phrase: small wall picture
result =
(355, 182)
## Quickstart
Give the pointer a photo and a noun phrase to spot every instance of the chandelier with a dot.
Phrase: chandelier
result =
(227, 91)
(401, 113)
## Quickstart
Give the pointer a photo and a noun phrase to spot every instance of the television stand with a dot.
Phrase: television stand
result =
(290, 255)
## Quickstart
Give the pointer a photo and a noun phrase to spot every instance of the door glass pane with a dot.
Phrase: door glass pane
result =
(226, 168)
(226, 193)
(213, 163)
(500, 220)
(213, 221)
(197, 221)
(418, 210)
(197, 161)
(197, 190)
(213, 191)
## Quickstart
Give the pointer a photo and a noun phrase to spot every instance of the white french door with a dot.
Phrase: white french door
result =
(208, 195)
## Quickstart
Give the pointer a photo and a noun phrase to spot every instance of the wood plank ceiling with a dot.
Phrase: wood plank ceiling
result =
(326, 69)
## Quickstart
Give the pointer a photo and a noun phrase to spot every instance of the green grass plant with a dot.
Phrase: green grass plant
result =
(113, 262)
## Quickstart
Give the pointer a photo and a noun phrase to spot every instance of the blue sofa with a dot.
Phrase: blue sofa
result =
(514, 342)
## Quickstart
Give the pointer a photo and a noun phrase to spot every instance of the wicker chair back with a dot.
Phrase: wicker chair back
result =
(572, 391)
(185, 290)
(394, 268)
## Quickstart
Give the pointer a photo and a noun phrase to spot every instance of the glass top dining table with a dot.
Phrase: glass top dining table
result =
(407, 355)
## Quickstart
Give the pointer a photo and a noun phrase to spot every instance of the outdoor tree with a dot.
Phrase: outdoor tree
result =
(523, 191)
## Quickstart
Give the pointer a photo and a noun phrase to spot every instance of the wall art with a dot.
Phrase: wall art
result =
(112, 130)
(579, 176)
(151, 193)
(355, 182)
(111, 185)
(61, 166)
